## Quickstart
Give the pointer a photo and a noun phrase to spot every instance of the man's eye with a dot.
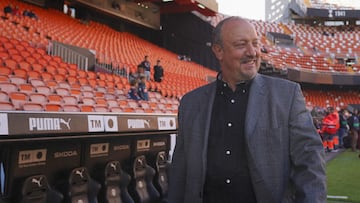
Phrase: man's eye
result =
(239, 45)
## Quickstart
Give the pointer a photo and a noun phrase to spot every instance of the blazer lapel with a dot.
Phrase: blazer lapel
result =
(255, 106)
(205, 112)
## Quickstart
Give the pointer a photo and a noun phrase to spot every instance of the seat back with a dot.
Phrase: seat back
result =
(161, 178)
(145, 191)
(82, 188)
(36, 189)
(116, 183)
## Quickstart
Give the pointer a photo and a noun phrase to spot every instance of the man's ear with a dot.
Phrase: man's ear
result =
(218, 51)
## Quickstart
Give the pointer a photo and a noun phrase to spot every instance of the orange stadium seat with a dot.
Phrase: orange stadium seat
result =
(115, 109)
(11, 63)
(54, 99)
(38, 98)
(101, 108)
(26, 88)
(86, 108)
(47, 76)
(83, 81)
(18, 99)
(4, 97)
(6, 106)
(17, 79)
(88, 101)
(32, 74)
(4, 55)
(30, 106)
(53, 107)
(62, 91)
(5, 71)
(8, 87)
(62, 70)
(70, 99)
(4, 78)
(16, 57)
(71, 108)
(36, 82)
(37, 67)
(20, 73)
(59, 77)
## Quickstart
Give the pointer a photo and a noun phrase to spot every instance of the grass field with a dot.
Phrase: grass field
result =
(343, 174)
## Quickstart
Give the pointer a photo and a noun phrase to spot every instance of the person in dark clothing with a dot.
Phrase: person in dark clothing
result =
(158, 72)
(342, 132)
(8, 9)
(16, 11)
(133, 91)
(146, 64)
(246, 137)
(136, 76)
(354, 125)
(142, 89)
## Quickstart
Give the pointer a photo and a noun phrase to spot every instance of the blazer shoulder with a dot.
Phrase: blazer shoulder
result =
(199, 93)
(277, 82)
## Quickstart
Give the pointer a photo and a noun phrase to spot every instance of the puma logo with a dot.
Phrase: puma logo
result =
(113, 165)
(67, 123)
(37, 181)
(140, 161)
(147, 123)
(80, 173)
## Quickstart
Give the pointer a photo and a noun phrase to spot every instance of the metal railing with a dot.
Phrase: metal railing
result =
(69, 55)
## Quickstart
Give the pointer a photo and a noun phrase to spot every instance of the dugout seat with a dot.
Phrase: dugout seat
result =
(36, 189)
(145, 190)
(82, 188)
(116, 183)
(161, 177)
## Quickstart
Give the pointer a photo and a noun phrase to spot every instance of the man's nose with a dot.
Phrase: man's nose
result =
(251, 50)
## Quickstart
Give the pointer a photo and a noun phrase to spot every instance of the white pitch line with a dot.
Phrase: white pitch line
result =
(337, 197)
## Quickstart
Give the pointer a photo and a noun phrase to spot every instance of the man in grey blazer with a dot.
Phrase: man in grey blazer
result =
(246, 137)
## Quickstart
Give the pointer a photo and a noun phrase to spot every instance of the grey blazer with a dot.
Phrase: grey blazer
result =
(285, 153)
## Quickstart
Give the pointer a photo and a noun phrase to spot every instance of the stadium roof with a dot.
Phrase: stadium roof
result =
(205, 7)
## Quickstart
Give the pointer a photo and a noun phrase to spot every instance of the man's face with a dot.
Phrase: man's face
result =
(239, 55)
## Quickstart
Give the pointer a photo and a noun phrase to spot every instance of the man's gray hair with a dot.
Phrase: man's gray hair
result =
(216, 35)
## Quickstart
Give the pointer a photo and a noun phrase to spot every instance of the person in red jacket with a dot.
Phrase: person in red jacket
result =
(330, 127)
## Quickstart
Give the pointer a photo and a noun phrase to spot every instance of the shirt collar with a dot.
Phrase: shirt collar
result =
(221, 84)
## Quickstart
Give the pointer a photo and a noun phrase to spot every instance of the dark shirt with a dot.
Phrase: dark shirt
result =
(8, 9)
(158, 73)
(228, 178)
(133, 94)
(343, 121)
(142, 91)
(146, 65)
(354, 122)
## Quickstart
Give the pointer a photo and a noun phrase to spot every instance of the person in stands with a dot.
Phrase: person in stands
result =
(146, 64)
(142, 89)
(133, 91)
(158, 72)
(245, 137)
(8, 9)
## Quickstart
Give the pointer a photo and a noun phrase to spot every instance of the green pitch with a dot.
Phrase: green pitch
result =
(343, 178)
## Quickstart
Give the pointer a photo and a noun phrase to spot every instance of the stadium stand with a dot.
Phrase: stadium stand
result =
(174, 85)
(53, 103)
(312, 50)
